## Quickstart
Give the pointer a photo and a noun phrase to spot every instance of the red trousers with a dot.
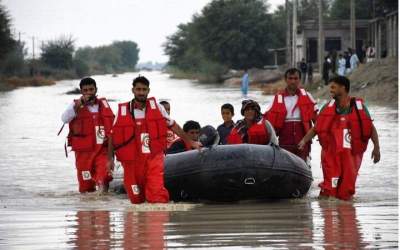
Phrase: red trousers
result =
(91, 168)
(340, 170)
(144, 179)
(289, 137)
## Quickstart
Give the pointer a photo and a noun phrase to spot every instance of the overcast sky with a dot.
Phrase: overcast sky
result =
(99, 22)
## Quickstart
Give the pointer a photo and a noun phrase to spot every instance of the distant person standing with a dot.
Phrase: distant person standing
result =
(303, 69)
(310, 73)
(354, 61)
(348, 66)
(370, 53)
(245, 82)
(325, 70)
(341, 65)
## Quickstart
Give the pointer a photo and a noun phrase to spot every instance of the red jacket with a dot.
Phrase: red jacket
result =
(276, 115)
(360, 126)
(88, 129)
(257, 134)
(127, 139)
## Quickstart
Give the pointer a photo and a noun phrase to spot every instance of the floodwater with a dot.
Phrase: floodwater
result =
(40, 207)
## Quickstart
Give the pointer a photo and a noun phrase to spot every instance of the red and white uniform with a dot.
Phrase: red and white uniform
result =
(291, 117)
(256, 134)
(88, 133)
(139, 138)
(344, 139)
(171, 137)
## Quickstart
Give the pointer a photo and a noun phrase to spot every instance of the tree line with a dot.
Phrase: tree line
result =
(236, 34)
(60, 58)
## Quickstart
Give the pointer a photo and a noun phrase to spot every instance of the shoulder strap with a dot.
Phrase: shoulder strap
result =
(353, 105)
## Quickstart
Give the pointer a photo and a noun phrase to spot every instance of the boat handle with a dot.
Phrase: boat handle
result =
(249, 181)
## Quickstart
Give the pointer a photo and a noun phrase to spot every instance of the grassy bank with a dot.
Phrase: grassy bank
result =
(14, 82)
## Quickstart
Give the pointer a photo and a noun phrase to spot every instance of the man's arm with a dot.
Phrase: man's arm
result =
(179, 131)
(376, 154)
(310, 134)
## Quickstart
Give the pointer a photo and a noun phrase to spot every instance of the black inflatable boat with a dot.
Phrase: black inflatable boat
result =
(236, 172)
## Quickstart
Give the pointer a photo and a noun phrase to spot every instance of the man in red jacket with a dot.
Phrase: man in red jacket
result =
(90, 120)
(344, 128)
(292, 113)
(139, 141)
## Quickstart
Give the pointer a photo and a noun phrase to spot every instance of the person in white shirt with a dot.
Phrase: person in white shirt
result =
(90, 119)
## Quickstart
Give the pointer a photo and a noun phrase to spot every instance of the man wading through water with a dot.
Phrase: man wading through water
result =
(138, 137)
(344, 128)
(90, 120)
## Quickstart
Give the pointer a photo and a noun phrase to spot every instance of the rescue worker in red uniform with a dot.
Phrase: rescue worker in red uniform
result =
(171, 136)
(252, 128)
(292, 114)
(90, 120)
(344, 128)
(139, 139)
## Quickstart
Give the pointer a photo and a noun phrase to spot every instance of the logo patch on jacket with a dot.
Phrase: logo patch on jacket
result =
(86, 175)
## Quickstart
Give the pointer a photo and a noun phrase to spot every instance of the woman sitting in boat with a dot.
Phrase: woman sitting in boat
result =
(252, 128)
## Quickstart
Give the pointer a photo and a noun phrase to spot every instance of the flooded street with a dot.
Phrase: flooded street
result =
(40, 207)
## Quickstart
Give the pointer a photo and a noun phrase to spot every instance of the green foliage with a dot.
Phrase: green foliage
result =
(340, 9)
(117, 57)
(58, 53)
(14, 63)
(7, 42)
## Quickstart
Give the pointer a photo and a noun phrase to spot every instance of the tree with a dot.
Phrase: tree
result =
(129, 53)
(236, 33)
(7, 42)
(340, 9)
(58, 53)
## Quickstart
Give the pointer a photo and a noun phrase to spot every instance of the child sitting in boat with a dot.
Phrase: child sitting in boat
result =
(252, 128)
(192, 129)
(227, 112)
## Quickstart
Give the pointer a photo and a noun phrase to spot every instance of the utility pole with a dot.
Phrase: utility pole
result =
(352, 25)
(288, 55)
(294, 34)
(33, 47)
(321, 43)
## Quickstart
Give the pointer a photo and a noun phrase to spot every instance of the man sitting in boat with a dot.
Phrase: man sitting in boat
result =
(171, 136)
(192, 129)
(252, 128)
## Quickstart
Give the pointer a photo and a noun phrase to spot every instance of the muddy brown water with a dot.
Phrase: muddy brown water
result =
(41, 209)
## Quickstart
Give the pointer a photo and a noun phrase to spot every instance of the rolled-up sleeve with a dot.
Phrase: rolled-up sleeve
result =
(68, 114)
(170, 122)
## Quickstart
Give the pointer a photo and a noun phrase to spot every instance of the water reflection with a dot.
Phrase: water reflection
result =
(129, 230)
(341, 227)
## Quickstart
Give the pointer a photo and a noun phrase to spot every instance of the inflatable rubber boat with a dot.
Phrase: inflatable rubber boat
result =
(235, 172)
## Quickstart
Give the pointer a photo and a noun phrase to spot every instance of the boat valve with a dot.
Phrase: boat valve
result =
(249, 181)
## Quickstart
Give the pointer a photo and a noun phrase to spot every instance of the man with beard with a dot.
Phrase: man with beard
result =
(292, 114)
(344, 128)
(90, 120)
(139, 141)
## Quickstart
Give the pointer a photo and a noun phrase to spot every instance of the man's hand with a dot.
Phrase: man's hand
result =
(110, 166)
(196, 145)
(301, 145)
(376, 154)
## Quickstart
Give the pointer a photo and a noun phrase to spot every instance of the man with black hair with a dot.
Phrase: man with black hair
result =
(139, 141)
(344, 127)
(192, 129)
(90, 119)
(292, 114)
(227, 112)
